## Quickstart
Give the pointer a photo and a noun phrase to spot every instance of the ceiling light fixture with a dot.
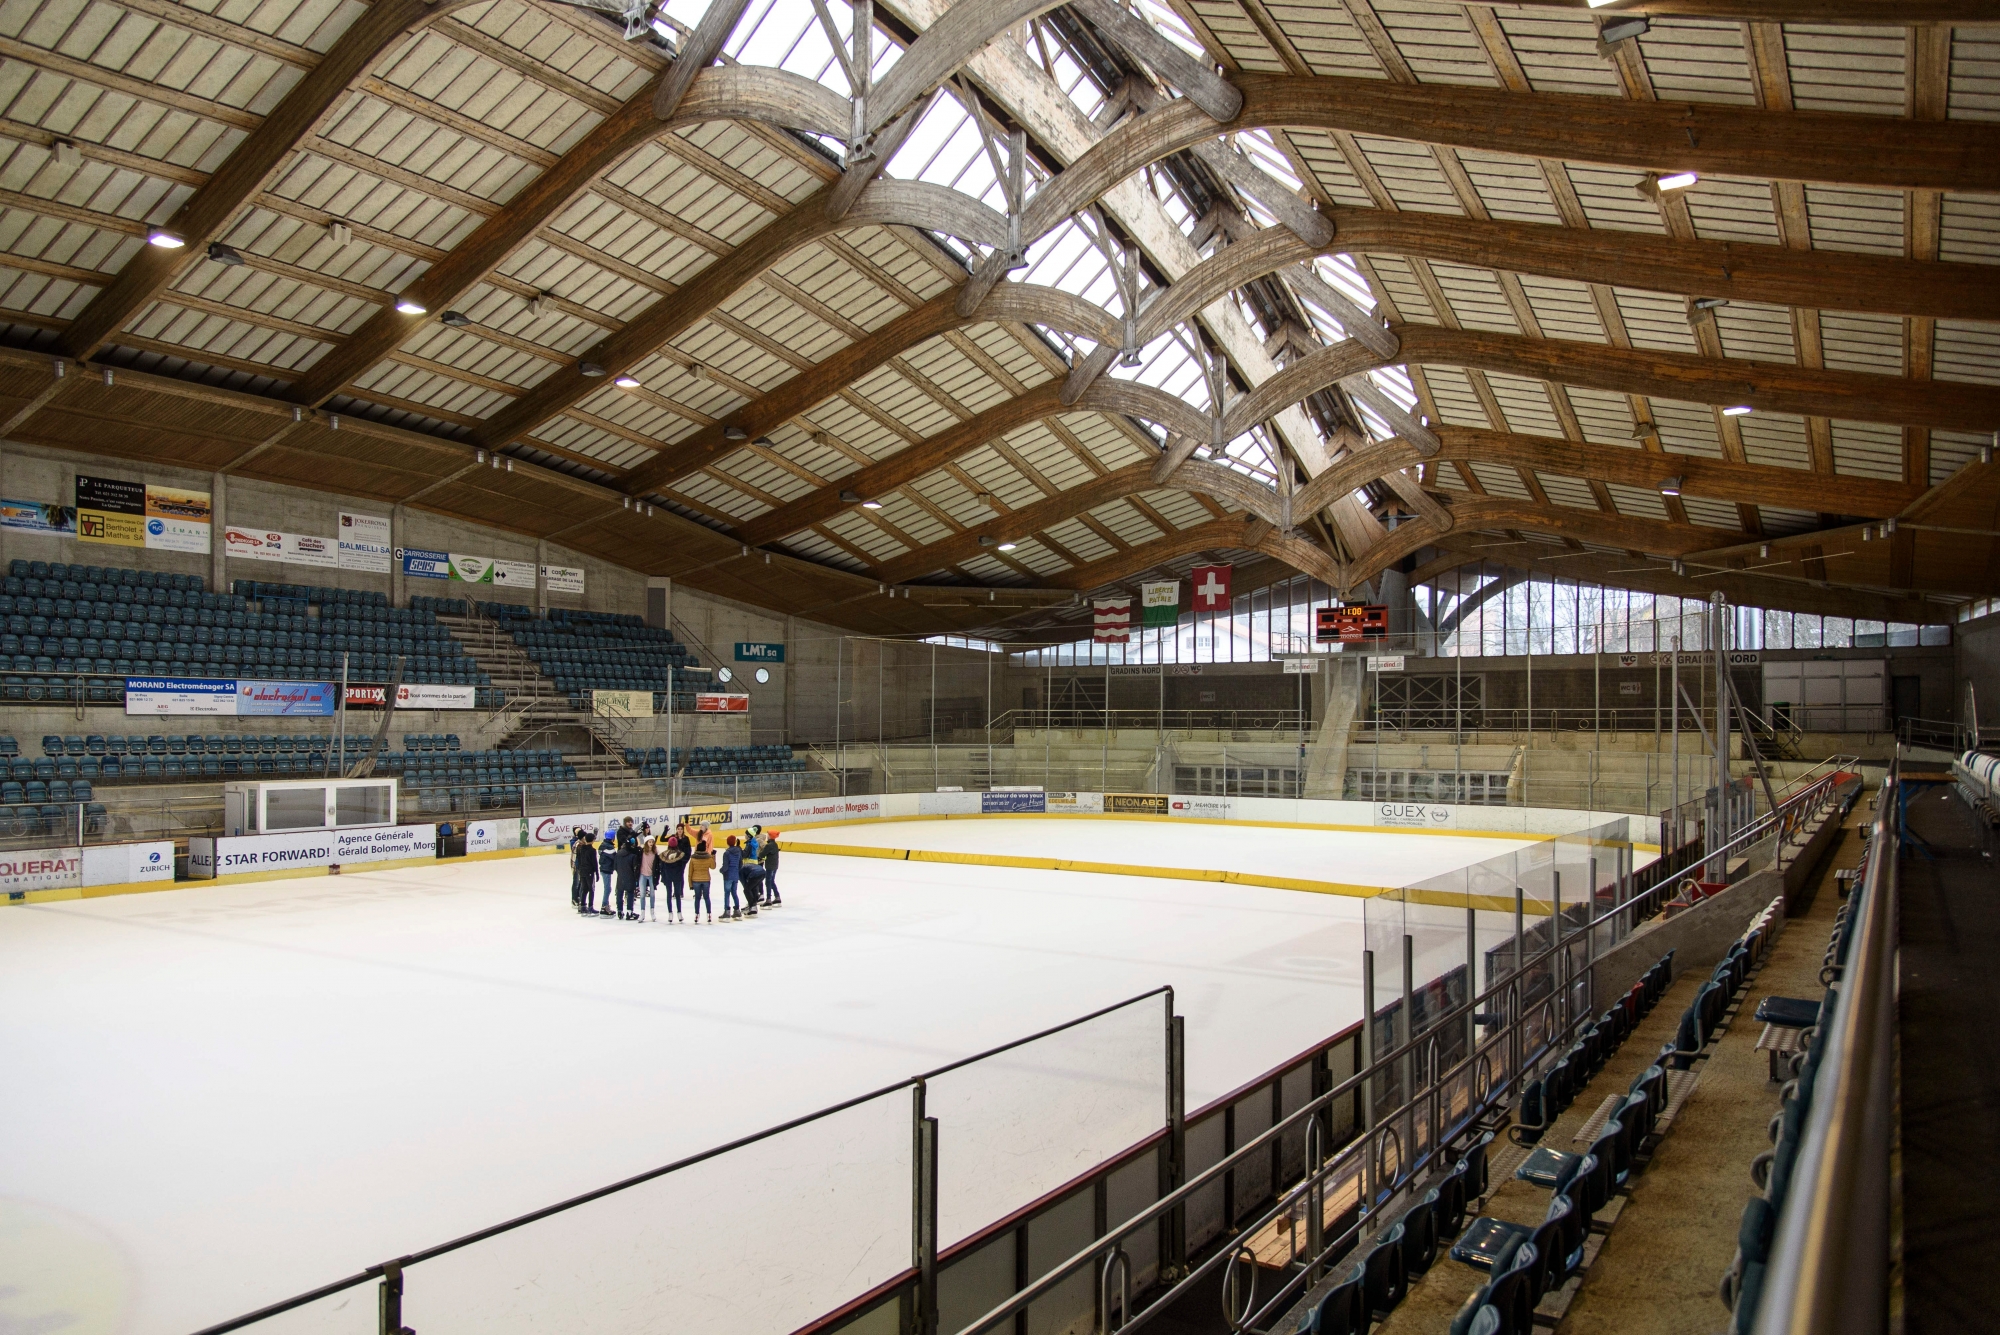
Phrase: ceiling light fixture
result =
(539, 305)
(626, 382)
(1641, 430)
(456, 319)
(850, 497)
(165, 240)
(1671, 486)
(1676, 180)
(871, 505)
(409, 306)
(735, 433)
(986, 541)
(224, 255)
(1710, 303)
(68, 156)
(1737, 410)
(591, 369)
(1763, 549)
(339, 232)
(1624, 28)
(479, 456)
(1009, 546)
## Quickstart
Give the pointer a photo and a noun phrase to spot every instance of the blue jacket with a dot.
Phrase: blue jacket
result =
(732, 863)
(750, 852)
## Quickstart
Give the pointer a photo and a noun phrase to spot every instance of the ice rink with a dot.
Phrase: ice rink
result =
(225, 1095)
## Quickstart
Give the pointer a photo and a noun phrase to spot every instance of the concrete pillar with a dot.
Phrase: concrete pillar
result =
(218, 500)
(397, 593)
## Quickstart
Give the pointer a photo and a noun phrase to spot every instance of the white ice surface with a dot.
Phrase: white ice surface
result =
(1385, 858)
(225, 1095)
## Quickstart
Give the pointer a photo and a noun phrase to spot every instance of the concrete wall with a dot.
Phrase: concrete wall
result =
(1976, 647)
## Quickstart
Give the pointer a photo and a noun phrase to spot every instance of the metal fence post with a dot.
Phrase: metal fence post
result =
(924, 1214)
(1173, 1162)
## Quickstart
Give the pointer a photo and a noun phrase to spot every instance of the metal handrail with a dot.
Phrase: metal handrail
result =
(1383, 1066)
(1829, 1263)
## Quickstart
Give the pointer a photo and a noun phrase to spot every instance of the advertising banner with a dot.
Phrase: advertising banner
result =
(297, 699)
(421, 696)
(759, 653)
(835, 808)
(1413, 815)
(180, 695)
(514, 575)
(364, 543)
(299, 549)
(420, 564)
(490, 836)
(110, 511)
(621, 704)
(467, 569)
(26, 869)
(57, 521)
(771, 814)
(1135, 804)
(129, 864)
(1075, 803)
(716, 702)
(1386, 663)
(1301, 667)
(309, 850)
(562, 579)
(1205, 808)
(550, 831)
(1013, 802)
(178, 520)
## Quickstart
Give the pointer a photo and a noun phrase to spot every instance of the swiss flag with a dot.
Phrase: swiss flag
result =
(1211, 588)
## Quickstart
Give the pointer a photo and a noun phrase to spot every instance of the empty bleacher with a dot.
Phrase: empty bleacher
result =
(605, 651)
(72, 633)
(443, 778)
(707, 761)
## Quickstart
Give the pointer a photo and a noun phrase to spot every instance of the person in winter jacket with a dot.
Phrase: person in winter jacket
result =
(583, 872)
(649, 862)
(607, 869)
(673, 867)
(701, 865)
(771, 895)
(627, 859)
(732, 869)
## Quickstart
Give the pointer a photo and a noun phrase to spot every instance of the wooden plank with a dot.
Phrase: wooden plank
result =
(209, 210)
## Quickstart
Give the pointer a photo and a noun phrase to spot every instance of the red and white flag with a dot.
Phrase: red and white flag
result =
(1113, 620)
(1211, 588)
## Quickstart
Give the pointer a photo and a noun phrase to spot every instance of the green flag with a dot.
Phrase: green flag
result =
(1160, 604)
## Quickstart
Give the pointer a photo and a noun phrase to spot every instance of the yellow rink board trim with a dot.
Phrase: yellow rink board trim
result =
(1100, 868)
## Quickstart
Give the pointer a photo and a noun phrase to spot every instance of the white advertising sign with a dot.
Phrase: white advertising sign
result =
(490, 836)
(562, 579)
(129, 864)
(471, 569)
(1414, 815)
(1301, 667)
(514, 574)
(26, 869)
(418, 695)
(299, 549)
(1204, 808)
(1076, 803)
(364, 543)
(836, 808)
(1386, 663)
(233, 856)
(549, 831)
(180, 695)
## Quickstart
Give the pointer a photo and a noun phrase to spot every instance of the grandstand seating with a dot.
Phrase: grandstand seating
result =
(445, 778)
(702, 761)
(587, 651)
(75, 631)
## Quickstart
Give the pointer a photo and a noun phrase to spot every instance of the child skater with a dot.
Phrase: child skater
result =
(771, 895)
(583, 872)
(701, 864)
(674, 863)
(732, 870)
(649, 853)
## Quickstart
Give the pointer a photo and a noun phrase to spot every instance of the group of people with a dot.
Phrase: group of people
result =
(624, 871)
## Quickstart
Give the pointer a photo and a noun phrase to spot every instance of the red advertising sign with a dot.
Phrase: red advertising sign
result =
(718, 702)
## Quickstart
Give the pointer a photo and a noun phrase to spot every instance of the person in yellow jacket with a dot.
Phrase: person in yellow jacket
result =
(701, 866)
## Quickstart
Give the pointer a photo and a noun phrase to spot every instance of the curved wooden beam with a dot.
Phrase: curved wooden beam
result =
(1654, 536)
(1720, 381)
(942, 48)
(1705, 137)
(702, 46)
(1854, 13)
(210, 209)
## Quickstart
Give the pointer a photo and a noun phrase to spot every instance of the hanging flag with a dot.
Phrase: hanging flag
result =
(1160, 603)
(1113, 620)
(1211, 588)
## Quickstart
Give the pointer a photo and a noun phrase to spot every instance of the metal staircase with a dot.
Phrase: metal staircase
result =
(536, 712)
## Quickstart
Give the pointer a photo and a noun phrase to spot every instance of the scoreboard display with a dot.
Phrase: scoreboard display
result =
(1353, 622)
